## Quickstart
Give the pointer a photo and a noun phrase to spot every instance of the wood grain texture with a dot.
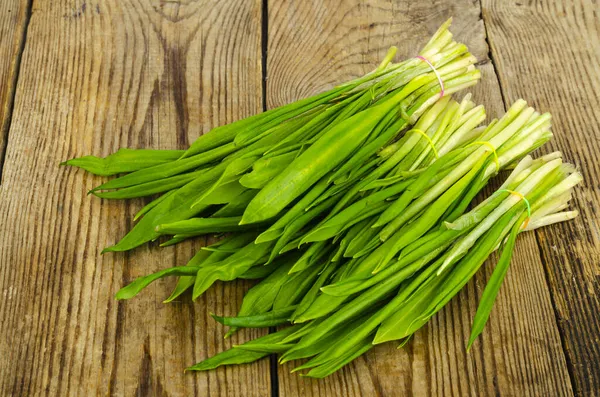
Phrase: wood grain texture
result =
(314, 45)
(520, 350)
(549, 52)
(96, 76)
(13, 25)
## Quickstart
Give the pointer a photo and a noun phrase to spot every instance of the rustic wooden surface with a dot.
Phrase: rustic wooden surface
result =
(14, 17)
(89, 77)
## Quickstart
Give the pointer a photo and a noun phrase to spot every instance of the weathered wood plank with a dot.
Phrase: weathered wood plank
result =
(520, 351)
(314, 45)
(13, 25)
(97, 76)
(549, 52)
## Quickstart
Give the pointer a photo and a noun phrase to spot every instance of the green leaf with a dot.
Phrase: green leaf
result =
(186, 282)
(124, 160)
(300, 331)
(140, 283)
(153, 187)
(294, 226)
(227, 184)
(166, 170)
(360, 239)
(401, 323)
(260, 298)
(267, 347)
(230, 268)
(152, 204)
(294, 288)
(257, 272)
(266, 169)
(204, 257)
(244, 353)
(197, 226)
(313, 255)
(322, 306)
(175, 207)
(368, 150)
(228, 357)
(332, 366)
(326, 345)
(493, 286)
(402, 269)
(310, 296)
(237, 205)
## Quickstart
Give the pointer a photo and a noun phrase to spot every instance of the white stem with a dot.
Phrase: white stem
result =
(521, 166)
(551, 219)
(524, 188)
(461, 169)
(553, 205)
(475, 117)
(566, 184)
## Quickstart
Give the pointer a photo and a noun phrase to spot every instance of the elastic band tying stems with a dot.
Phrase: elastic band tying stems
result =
(488, 144)
(527, 204)
(437, 74)
(418, 131)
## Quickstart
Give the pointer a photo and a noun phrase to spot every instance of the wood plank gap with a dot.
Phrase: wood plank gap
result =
(490, 53)
(13, 88)
(264, 46)
(273, 364)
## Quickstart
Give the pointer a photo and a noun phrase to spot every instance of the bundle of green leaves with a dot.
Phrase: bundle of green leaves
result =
(349, 205)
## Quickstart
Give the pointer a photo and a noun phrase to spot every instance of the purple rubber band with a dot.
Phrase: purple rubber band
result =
(434, 71)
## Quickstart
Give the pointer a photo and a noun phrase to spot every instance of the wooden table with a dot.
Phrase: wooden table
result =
(80, 77)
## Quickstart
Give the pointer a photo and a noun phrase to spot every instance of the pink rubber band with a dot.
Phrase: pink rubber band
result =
(434, 71)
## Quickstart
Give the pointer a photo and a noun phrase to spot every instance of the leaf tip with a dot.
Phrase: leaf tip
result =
(122, 294)
(219, 319)
(229, 333)
(283, 359)
(470, 343)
